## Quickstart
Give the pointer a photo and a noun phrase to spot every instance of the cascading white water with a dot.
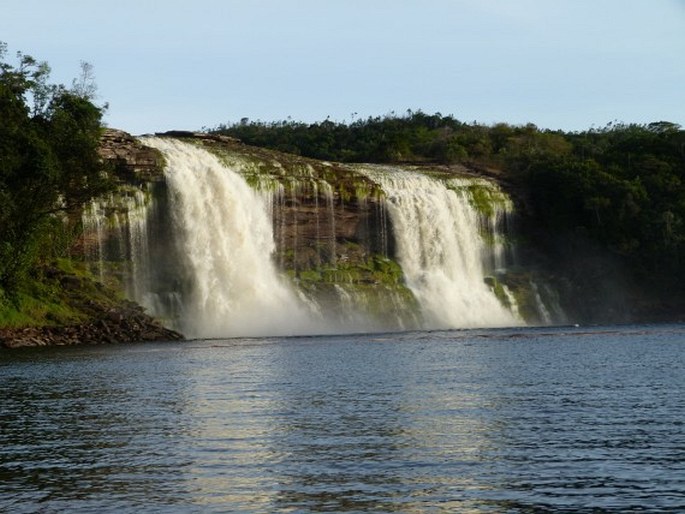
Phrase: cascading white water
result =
(440, 250)
(227, 239)
(198, 249)
(121, 220)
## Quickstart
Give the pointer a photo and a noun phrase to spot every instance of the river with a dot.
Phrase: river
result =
(515, 420)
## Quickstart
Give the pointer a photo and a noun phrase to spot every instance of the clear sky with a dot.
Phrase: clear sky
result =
(183, 64)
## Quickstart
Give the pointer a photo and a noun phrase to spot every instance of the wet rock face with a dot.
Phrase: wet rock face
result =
(314, 231)
(130, 159)
(310, 228)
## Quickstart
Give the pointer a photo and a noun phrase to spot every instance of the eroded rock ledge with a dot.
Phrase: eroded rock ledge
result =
(130, 159)
(124, 324)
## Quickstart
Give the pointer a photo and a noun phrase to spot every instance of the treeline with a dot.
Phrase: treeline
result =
(49, 165)
(620, 186)
(414, 137)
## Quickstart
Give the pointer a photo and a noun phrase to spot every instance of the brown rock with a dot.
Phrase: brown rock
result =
(130, 159)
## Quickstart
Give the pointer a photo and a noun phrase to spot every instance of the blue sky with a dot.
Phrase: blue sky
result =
(561, 64)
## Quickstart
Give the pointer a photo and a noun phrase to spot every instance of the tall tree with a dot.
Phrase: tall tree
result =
(49, 165)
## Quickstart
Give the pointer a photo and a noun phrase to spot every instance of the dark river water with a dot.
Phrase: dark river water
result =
(516, 421)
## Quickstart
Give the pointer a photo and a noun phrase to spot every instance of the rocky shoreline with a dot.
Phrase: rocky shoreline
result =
(127, 323)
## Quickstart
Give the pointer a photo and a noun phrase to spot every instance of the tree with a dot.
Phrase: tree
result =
(84, 86)
(49, 165)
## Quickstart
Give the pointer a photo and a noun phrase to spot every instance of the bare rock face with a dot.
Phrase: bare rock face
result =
(130, 159)
(312, 230)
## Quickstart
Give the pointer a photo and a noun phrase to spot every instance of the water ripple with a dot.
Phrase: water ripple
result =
(518, 421)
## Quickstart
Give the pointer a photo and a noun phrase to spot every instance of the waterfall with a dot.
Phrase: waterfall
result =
(236, 243)
(441, 250)
(115, 230)
(226, 239)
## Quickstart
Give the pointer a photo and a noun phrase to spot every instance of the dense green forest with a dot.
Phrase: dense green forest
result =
(620, 186)
(49, 167)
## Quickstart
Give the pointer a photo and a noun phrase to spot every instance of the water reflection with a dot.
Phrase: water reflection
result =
(377, 434)
(339, 429)
(490, 421)
(81, 425)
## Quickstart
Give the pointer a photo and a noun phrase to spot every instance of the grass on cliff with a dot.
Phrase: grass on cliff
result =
(62, 293)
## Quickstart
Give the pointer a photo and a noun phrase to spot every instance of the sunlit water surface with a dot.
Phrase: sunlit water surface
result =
(517, 420)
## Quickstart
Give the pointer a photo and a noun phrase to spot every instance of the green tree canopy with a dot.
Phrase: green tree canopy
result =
(49, 165)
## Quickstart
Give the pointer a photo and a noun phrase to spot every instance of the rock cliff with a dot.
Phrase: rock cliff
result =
(130, 159)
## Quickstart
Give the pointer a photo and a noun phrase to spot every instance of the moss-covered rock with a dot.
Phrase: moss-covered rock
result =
(66, 305)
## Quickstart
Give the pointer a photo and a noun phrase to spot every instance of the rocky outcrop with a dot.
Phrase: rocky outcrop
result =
(96, 315)
(130, 159)
(126, 324)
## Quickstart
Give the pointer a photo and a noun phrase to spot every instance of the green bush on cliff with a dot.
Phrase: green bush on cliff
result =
(49, 164)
